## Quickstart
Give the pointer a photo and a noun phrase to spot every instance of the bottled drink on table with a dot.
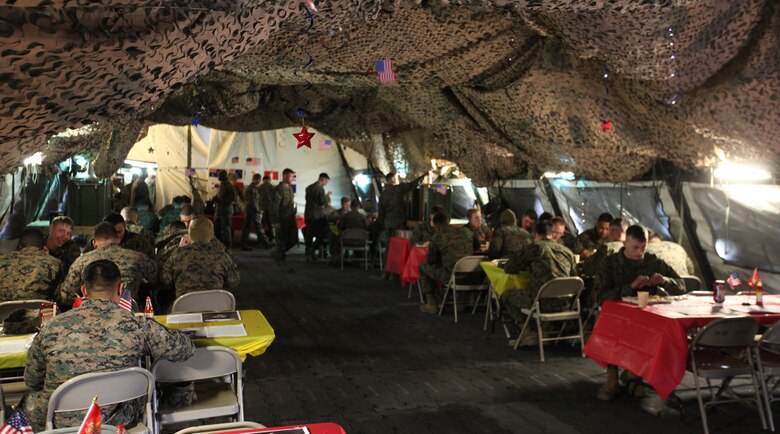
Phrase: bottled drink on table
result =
(148, 308)
(719, 291)
(760, 293)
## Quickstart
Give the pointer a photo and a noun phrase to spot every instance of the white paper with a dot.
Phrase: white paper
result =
(756, 309)
(184, 318)
(225, 331)
(14, 346)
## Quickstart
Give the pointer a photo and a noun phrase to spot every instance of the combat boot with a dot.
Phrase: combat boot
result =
(430, 306)
(610, 388)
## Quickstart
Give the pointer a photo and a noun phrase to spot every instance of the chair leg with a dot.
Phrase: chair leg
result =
(522, 331)
(341, 258)
(488, 309)
(455, 303)
(444, 300)
(365, 255)
(419, 291)
(582, 337)
(540, 337)
(702, 408)
(476, 303)
(759, 401)
(410, 292)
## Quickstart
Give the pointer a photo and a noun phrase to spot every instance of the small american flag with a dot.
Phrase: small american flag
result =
(734, 280)
(384, 69)
(17, 423)
(325, 145)
(441, 189)
(126, 302)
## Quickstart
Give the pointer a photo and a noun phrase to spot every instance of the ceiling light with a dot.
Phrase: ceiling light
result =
(35, 159)
(741, 172)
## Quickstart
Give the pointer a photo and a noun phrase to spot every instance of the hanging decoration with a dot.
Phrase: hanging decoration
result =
(303, 137)
(151, 150)
(674, 74)
(605, 123)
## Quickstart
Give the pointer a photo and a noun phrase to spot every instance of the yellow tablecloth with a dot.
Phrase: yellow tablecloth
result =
(259, 336)
(502, 281)
(259, 333)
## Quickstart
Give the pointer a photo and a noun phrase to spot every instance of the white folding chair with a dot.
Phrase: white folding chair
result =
(220, 427)
(768, 361)
(566, 288)
(215, 300)
(692, 283)
(717, 352)
(468, 266)
(419, 291)
(114, 387)
(7, 307)
(213, 398)
(355, 240)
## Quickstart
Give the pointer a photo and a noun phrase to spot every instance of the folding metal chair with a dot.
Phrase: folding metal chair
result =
(220, 427)
(355, 240)
(567, 288)
(213, 300)
(723, 350)
(113, 388)
(12, 387)
(768, 361)
(692, 283)
(419, 291)
(214, 398)
(468, 266)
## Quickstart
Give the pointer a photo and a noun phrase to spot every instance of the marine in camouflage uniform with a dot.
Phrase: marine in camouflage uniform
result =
(392, 208)
(142, 231)
(590, 240)
(673, 254)
(509, 238)
(266, 191)
(545, 259)
(617, 273)
(29, 273)
(127, 239)
(59, 242)
(134, 266)
(592, 263)
(67, 253)
(315, 214)
(226, 195)
(99, 336)
(447, 247)
(282, 215)
(422, 233)
(251, 216)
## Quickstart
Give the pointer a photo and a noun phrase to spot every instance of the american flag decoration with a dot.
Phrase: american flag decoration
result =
(17, 423)
(126, 302)
(734, 280)
(441, 189)
(384, 70)
(326, 145)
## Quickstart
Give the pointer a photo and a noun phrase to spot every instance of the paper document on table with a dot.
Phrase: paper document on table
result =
(703, 311)
(220, 331)
(15, 346)
(300, 430)
(756, 309)
(221, 316)
(184, 318)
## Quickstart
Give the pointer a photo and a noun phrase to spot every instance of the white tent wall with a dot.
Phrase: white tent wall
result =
(737, 228)
(274, 150)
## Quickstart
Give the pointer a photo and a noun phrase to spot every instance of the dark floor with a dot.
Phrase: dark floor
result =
(351, 348)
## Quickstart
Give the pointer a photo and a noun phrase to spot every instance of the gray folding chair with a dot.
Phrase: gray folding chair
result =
(465, 267)
(355, 240)
(566, 288)
(104, 429)
(768, 361)
(213, 300)
(723, 350)
(220, 427)
(215, 398)
(112, 387)
(7, 307)
(692, 283)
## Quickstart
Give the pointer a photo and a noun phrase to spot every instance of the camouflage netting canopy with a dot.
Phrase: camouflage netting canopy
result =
(504, 88)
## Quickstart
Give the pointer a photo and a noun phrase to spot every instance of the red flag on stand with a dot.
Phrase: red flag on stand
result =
(92, 420)
(754, 279)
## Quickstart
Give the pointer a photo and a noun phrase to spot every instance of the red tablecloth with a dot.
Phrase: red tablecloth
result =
(300, 221)
(314, 428)
(397, 252)
(411, 271)
(652, 342)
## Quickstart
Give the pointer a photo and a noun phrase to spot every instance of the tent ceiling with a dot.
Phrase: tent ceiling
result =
(503, 88)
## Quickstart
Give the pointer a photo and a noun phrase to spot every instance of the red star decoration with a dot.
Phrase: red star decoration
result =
(606, 126)
(304, 137)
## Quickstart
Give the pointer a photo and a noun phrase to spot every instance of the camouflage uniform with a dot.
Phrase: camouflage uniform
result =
(252, 200)
(99, 336)
(617, 272)
(265, 193)
(198, 267)
(316, 220)
(168, 218)
(673, 254)
(134, 266)
(132, 241)
(29, 273)
(589, 240)
(282, 212)
(147, 219)
(508, 240)
(353, 220)
(422, 233)
(592, 263)
(166, 235)
(478, 236)
(546, 260)
(68, 253)
(447, 247)
(392, 208)
(226, 195)
(140, 230)
(166, 251)
(567, 240)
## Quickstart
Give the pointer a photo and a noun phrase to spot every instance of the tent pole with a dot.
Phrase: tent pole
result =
(189, 146)
(348, 170)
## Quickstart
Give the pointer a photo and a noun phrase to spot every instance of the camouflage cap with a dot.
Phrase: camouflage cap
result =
(21, 322)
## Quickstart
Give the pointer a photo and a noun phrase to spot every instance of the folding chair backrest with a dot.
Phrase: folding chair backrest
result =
(770, 340)
(201, 301)
(112, 387)
(727, 332)
(561, 287)
(468, 264)
(7, 307)
(692, 283)
(221, 427)
(205, 363)
(354, 237)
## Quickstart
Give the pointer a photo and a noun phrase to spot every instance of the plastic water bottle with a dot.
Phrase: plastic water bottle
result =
(148, 308)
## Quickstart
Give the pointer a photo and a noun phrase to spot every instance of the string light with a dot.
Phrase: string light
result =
(673, 79)
(605, 123)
